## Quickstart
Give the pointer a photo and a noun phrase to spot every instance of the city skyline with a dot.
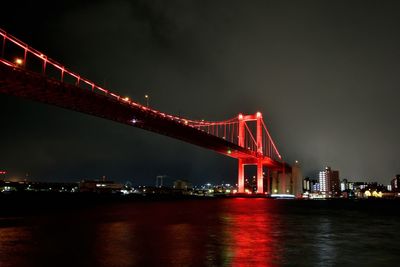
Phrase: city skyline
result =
(349, 125)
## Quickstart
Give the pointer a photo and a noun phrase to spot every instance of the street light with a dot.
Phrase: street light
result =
(147, 100)
(19, 61)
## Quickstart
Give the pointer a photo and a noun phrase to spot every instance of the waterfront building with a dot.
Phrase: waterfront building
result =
(359, 185)
(350, 185)
(329, 182)
(306, 185)
(316, 187)
(296, 179)
(100, 186)
(395, 184)
(344, 185)
(182, 185)
(310, 185)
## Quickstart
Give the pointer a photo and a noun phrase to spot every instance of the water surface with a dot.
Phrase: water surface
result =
(206, 232)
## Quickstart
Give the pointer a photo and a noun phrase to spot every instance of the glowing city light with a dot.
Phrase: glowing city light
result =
(19, 61)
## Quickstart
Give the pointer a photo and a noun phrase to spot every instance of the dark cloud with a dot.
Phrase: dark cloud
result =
(323, 73)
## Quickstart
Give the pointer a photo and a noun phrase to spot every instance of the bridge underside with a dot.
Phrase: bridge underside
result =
(34, 86)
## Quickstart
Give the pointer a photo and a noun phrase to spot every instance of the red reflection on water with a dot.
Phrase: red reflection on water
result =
(114, 243)
(182, 246)
(12, 239)
(252, 226)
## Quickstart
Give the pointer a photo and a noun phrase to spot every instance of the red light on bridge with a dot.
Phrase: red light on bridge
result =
(19, 61)
(258, 114)
(240, 116)
(3, 172)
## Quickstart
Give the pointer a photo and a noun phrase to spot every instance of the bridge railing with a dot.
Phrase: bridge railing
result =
(18, 54)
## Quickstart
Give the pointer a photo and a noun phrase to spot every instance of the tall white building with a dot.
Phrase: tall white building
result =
(323, 181)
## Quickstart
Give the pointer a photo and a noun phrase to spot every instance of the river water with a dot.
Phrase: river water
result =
(206, 232)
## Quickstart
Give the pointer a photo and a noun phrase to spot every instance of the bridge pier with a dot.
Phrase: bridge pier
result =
(240, 176)
(260, 177)
(268, 190)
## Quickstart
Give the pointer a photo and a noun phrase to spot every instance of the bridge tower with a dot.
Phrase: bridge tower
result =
(243, 161)
(240, 160)
(260, 173)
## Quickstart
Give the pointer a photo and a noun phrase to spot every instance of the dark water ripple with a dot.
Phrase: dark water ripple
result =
(217, 232)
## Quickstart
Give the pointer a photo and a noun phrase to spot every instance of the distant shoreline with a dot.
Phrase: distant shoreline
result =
(32, 203)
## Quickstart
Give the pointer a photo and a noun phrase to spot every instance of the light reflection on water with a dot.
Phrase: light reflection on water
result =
(114, 243)
(218, 232)
(324, 242)
(12, 241)
(250, 225)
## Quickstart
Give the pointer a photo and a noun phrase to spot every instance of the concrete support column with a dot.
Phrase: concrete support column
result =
(282, 181)
(240, 176)
(260, 177)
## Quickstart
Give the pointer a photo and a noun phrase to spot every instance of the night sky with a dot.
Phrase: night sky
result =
(325, 75)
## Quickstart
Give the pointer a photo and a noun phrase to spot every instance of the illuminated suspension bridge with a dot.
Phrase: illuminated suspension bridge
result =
(25, 72)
